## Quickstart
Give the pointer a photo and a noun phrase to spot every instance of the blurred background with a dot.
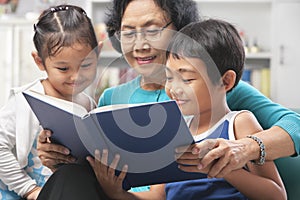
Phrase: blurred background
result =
(270, 30)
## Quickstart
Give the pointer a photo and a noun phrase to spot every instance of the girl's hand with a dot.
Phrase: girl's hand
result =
(110, 183)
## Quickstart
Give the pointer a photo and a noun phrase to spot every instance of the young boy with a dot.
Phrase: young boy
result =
(205, 61)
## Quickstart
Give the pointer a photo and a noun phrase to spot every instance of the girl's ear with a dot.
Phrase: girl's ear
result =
(38, 61)
(228, 79)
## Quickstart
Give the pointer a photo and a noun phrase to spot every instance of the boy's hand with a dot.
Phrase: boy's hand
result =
(50, 154)
(110, 183)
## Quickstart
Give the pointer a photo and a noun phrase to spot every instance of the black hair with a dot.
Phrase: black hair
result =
(62, 26)
(180, 12)
(217, 43)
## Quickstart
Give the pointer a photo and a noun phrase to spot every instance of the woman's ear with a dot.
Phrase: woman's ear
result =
(228, 79)
(38, 60)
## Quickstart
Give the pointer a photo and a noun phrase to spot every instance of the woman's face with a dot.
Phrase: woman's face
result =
(145, 53)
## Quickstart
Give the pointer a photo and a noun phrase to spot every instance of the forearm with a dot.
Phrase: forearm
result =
(278, 143)
(255, 187)
(13, 176)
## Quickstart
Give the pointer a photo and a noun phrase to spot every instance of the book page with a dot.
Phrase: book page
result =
(116, 107)
(67, 106)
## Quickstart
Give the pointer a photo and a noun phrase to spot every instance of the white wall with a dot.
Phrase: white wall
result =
(26, 6)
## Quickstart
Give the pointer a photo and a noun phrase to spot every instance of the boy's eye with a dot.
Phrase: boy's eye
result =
(187, 80)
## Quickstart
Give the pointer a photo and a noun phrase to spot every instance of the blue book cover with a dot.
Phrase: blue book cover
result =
(144, 135)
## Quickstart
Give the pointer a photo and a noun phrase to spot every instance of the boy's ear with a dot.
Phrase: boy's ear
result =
(38, 60)
(228, 79)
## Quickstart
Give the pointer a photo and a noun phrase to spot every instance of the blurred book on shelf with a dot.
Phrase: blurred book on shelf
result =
(258, 78)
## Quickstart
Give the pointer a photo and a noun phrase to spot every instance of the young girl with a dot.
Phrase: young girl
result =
(205, 61)
(67, 51)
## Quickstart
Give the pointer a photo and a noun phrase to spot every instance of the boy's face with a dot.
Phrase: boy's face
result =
(190, 86)
(71, 70)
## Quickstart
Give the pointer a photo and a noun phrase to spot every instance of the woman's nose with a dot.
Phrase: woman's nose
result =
(141, 43)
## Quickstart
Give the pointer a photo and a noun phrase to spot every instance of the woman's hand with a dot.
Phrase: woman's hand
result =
(51, 154)
(110, 183)
(216, 157)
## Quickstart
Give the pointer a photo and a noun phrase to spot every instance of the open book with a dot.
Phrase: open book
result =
(144, 135)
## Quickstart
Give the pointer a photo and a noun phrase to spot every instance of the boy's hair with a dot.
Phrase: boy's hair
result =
(62, 26)
(180, 12)
(217, 43)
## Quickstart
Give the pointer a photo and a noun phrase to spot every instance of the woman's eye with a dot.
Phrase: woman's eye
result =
(62, 68)
(128, 33)
(152, 31)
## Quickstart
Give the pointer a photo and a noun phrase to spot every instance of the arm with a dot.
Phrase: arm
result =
(52, 154)
(260, 180)
(281, 137)
(255, 183)
(282, 126)
(112, 184)
(11, 171)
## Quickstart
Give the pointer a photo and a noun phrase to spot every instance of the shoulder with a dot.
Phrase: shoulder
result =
(120, 93)
(35, 85)
(245, 123)
(241, 89)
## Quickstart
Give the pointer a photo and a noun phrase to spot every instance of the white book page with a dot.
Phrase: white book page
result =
(68, 106)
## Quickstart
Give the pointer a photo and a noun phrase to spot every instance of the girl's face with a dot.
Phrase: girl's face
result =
(71, 70)
(190, 86)
(145, 54)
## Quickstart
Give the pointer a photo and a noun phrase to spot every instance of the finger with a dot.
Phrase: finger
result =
(115, 162)
(113, 166)
(44, 135)
(56, 156)
(51, 147)
(183, 149)
(187, 155)
(189, 168)
(122, 175)
(104, 158)
(202, 148)
(188, 161)
(91, 161)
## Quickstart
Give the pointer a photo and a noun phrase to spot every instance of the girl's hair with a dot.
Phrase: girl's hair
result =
(62, 26)
(217, 43)
(180, 12)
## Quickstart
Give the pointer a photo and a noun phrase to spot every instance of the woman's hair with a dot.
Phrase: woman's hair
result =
(217, 43)
(180, 12)
(62, 26)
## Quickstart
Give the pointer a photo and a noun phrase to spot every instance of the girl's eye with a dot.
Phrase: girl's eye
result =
(169, 79)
